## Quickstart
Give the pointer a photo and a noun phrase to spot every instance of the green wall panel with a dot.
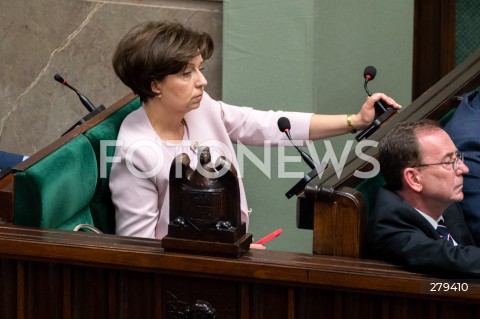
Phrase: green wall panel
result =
(309, 55)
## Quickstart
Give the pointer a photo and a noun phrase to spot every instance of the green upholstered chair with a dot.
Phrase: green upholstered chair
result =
(65, 189)
(56, 191)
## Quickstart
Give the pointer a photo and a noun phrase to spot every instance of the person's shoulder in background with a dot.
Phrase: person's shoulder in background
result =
(8, 159)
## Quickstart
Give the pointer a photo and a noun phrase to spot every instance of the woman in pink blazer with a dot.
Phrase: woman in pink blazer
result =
(162, 63)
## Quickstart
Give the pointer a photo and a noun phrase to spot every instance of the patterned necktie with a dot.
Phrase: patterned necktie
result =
(443, 232)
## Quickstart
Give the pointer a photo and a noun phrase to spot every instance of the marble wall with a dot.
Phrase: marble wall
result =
(76, 38)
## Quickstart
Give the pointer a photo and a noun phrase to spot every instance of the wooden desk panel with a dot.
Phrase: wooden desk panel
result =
(60, 274)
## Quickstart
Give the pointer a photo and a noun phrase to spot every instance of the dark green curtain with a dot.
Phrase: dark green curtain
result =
(467, 32)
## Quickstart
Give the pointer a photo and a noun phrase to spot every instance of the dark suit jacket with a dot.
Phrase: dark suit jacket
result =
(398, 233)
(464, 130)
(9, 159)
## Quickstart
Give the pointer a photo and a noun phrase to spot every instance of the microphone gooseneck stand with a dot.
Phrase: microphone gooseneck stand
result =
(284, 126)
(383, 113)
(85, 101)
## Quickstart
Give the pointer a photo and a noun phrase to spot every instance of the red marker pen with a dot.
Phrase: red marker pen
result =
(269, 237)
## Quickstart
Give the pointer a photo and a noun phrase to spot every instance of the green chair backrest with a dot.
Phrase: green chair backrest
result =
(55, 192)
(101, 206)
(65, 188)
(369, 188)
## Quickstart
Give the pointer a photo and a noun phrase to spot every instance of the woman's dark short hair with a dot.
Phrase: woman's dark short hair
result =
(399, 149)
(152, 50)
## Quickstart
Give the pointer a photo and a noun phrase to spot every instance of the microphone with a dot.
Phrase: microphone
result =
(284, 126)
(369, 74)
(86, 102)
(383, 113)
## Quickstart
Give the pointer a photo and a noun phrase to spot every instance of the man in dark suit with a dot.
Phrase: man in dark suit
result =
(416, 221)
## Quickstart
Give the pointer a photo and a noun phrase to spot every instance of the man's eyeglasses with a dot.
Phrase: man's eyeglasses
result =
(453, 162)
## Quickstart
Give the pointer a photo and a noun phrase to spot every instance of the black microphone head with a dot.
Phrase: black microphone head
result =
(59, 78)
(283, 124)
(370, 72)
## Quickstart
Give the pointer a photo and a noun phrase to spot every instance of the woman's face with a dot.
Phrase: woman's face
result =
(182, 92)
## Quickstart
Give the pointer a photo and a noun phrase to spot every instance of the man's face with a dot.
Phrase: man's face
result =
(441, 183)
